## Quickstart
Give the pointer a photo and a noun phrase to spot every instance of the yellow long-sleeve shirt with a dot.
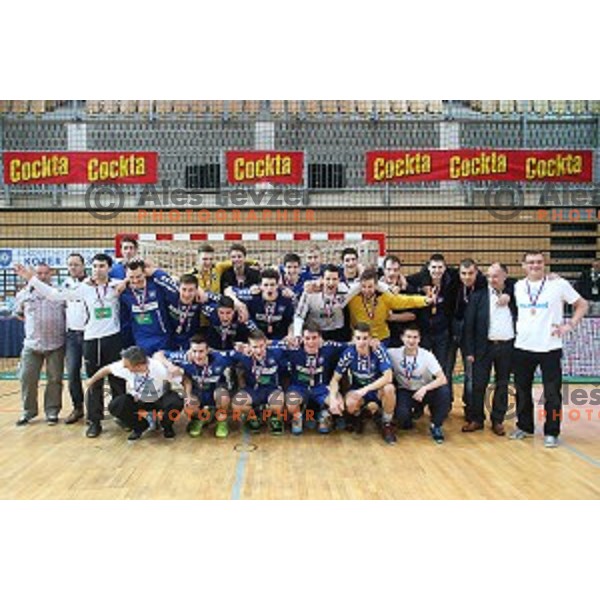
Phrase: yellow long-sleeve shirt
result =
(379, 307)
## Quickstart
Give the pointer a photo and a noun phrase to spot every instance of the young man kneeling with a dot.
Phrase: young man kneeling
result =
(147, 392)
(420, 380)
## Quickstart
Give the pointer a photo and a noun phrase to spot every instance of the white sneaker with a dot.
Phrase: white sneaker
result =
(550, 441)
(519, 434)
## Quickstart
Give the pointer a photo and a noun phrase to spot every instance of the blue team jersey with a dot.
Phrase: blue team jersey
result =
(205, 378)
(223, 337)
(364, 370)
(265, 373)
(117, 271)
(272, 318)
(307, 275)
(144, 312)
(312, 370)
(296, 288)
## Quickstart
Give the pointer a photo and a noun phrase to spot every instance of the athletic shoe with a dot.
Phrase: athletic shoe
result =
(388, 433)
(437, 434)
(519, 434)
(311, 423)
(194, 428)
(276, 426)
(22, 421)
(168, 431)
(357, 423)
(325, 422)
(222, 429)
(53, 420)
(134, 435)
(253, 425)
(297, 424)
(550, 441)
(340, 423)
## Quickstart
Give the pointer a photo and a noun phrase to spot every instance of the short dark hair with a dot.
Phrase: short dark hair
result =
(362, 327)
(349, 250)
(101, 257)
(206, 248)
(467, 263)
(269, 274)
(130, 239)
(412, 327)
(291, 257)
(189, 278)
(437, 257)
(198, 338)
(368, 275)
(135, 263)
(79, 256)
(311, 328)
(257, 335)
(391, 258)
(331, 268)
(239, 248)
(135, 355)
(226, 302)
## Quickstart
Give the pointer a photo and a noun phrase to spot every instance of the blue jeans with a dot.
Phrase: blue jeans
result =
(74, 356)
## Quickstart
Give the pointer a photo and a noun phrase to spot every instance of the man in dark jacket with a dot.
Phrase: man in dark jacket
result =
(489, 332)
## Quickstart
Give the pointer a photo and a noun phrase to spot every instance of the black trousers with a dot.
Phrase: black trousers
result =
(133, 413)
(498, 355)
(456, 343)
(525, 364)
(97, 354)
(438, 401)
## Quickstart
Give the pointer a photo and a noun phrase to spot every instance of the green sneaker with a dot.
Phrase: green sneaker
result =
(253, 425)
(194, 428)
(222, 429)
(276, 426)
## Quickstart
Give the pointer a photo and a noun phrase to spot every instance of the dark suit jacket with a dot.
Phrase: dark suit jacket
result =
(477, 319)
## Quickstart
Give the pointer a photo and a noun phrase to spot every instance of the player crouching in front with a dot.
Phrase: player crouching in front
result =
(147, 392)
(204, 383)
(371, 383)
(420, 380)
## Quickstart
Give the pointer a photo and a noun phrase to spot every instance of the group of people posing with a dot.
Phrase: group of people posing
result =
(328, 346)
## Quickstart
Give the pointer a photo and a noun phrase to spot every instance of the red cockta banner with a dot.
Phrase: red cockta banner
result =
(36, 168)
(397, 166)
(273, 166)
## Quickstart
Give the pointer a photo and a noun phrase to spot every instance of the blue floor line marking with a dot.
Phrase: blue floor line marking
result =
(581, 454)
(240, 470)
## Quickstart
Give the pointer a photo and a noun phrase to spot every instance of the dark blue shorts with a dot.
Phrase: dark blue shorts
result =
(260, 395)
(310, 396)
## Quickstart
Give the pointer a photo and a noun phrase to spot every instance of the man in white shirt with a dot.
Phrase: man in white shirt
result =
(102, 342)
(148, 392)
(540, 329)
(76, 319)
(420, 380)
(489, 334)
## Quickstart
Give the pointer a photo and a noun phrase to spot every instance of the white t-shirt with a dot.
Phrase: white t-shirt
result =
(413, 374)
(101, 303)
(539, 313)
(147, 387)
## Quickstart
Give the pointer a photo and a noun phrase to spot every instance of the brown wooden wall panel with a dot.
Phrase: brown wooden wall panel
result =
(412, 233)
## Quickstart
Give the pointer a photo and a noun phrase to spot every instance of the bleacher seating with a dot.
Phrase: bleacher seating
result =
(313, 109)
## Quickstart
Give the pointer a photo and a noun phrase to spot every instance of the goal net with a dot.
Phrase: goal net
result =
(177, 253)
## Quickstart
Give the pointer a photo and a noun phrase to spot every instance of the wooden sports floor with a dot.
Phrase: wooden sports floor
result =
(42, 462)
